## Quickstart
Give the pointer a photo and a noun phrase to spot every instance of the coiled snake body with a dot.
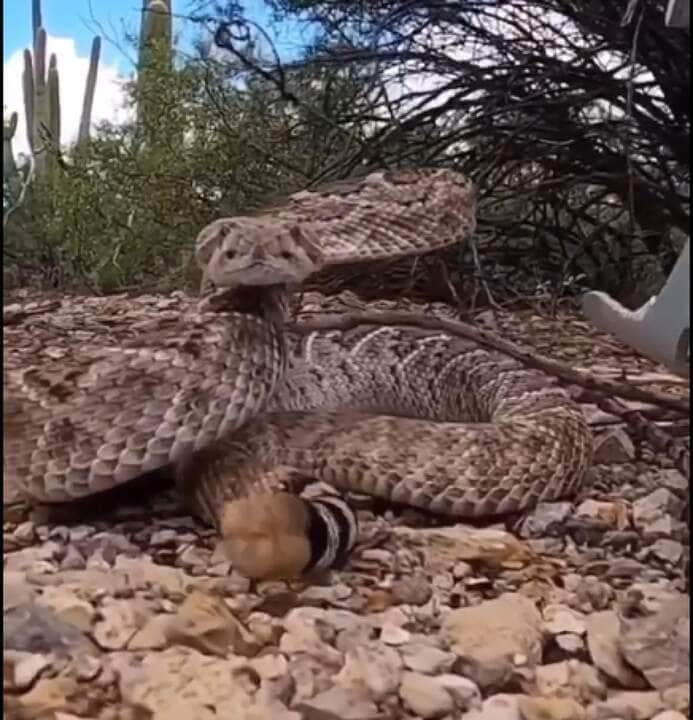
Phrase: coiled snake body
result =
(418, 418)
(414, 417)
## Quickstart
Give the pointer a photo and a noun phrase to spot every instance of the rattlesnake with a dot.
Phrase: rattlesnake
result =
(468, 433)
(227, 395)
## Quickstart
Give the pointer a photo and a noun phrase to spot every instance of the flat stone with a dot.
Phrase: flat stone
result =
(338, 704)
(652, 507)
(497, 707)
(545, 518)
(371, 667)
(392, 635)
(426, 659)
(629, 704)
(614, 447)
(181, 682)
(659, 645)
(672, 479)
(563, 619)
(29, 627)
(550, 708)
(611, 513)
(68, 606)
(569, 643)
(492, 637)
(20, 669)
(206, 623)
(603, 629)
(425, 696)
(464, 692)
(667, 550)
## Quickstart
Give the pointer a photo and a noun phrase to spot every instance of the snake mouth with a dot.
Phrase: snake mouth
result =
(261, 272)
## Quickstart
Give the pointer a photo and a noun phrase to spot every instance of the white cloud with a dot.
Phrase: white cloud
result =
(72, 68)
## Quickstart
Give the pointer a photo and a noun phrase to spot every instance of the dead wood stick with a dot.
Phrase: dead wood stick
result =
(490, 339)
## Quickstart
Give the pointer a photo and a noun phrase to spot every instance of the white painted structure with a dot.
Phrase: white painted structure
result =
(678, 14)
(660, 329)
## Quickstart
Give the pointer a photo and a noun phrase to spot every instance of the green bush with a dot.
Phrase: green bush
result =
(122, 211)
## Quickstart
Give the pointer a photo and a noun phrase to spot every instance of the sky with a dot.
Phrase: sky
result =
(71, 27)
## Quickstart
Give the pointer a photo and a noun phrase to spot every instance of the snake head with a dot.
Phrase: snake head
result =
(243, 251)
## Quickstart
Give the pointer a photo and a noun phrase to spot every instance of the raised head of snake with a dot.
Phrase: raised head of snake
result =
(252, 261)
(382, 216)
(255, 251)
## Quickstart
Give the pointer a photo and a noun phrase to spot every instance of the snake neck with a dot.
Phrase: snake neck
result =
(269, 302)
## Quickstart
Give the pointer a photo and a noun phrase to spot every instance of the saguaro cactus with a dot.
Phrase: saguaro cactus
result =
(156, 38)
(88, 102)
(9, 166)
(156, 29)
(41, 101)
(42, 95)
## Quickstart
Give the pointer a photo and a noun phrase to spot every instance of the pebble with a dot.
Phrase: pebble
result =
(545, 518)
(583, 617)
(425, 696)
(393, 635)
(338, 704)
(659, 503)
(667, 550)
(427, 659)
(492, 638)
(24, 668)
(497, 707)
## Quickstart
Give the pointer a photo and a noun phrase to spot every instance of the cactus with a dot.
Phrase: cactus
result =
(9, 166)
(88, 103)
(42, 96)
(41, 101)
(36, 21)
(156, 29)
(156, 33)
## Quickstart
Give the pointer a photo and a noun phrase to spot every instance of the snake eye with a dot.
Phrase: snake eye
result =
(230, 254)
(287, 255)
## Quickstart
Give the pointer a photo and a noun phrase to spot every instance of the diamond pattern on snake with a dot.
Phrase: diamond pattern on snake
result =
(230, 398)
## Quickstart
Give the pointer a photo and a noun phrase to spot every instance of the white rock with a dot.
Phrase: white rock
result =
(496, 707)
(425, 696)
(492, 638)
(26, 667)
(562, 619)
(464, 691)
(603, 629)
(338, 704)
(393, 635)
(629, 704)
(426, 659)
(659, 645)
(372, 667)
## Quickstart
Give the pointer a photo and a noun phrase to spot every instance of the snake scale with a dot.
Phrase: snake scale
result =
(228, 395)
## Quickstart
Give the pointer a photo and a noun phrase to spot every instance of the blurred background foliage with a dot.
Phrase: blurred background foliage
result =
(573, 118)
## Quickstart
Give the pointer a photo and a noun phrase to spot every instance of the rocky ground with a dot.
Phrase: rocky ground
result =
(578, 610)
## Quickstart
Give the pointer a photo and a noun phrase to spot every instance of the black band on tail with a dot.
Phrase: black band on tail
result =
(332, 531)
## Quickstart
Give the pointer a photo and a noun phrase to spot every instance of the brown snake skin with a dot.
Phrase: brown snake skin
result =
(95, 416)
(89, 418)
(459, 430)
